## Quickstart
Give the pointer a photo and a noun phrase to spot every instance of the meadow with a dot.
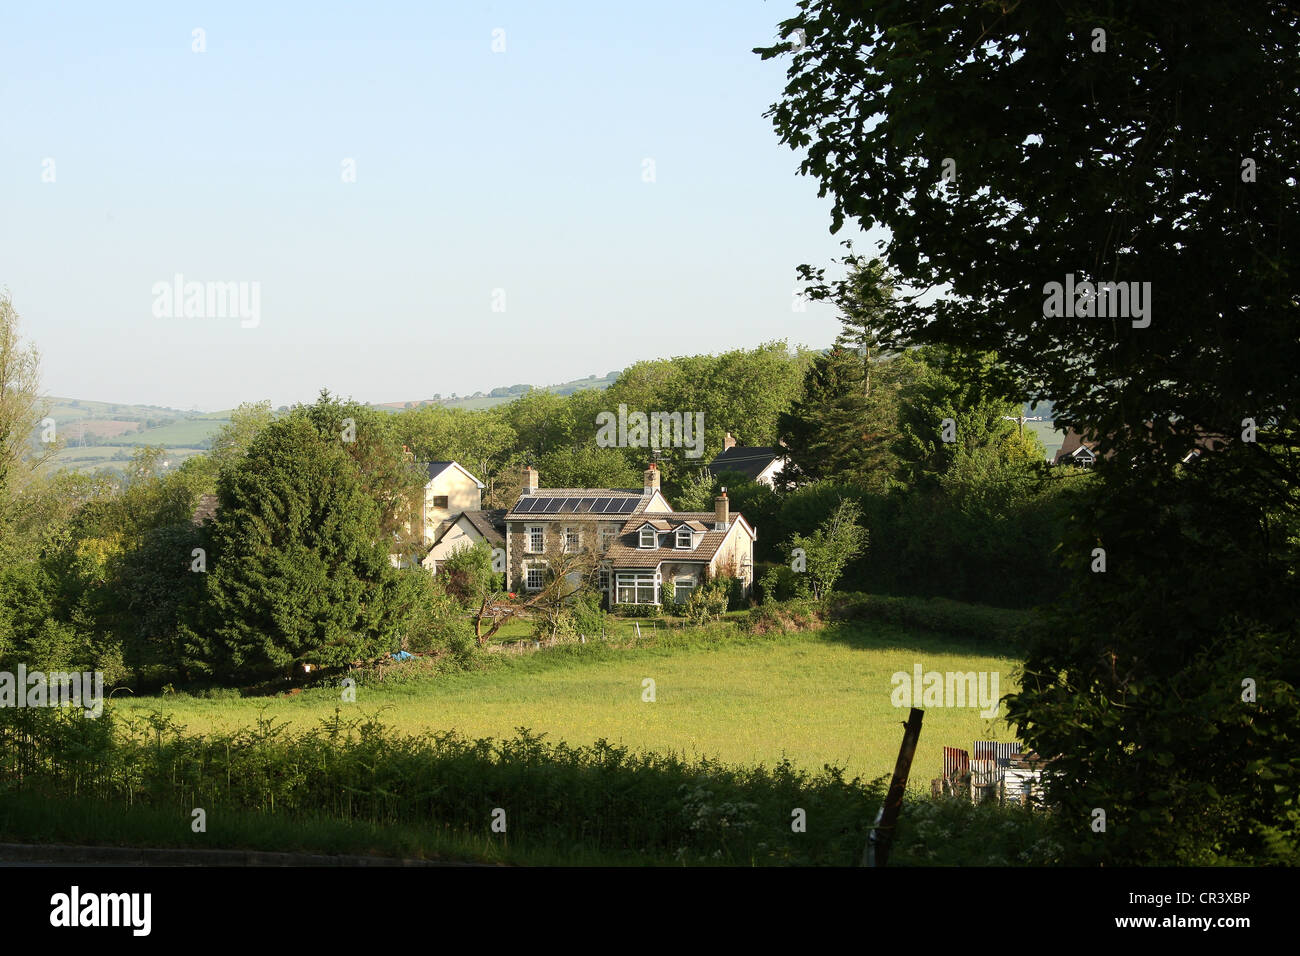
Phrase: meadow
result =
(814, 698)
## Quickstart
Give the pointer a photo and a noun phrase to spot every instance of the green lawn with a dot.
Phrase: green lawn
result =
(816, 698)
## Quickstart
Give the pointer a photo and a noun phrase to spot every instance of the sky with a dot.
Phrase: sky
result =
(407, 210)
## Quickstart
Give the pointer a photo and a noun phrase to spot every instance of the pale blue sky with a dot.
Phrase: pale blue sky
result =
(475, 171)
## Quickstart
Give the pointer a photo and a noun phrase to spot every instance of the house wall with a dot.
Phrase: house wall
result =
(768, 475)
(462, 495)
(460, 535)
(517, 541)
(672, 569)
(736, 557)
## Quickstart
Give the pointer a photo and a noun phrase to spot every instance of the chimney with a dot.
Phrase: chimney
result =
(728, 442)
(721, 512)
(530, 480)
(651, 480)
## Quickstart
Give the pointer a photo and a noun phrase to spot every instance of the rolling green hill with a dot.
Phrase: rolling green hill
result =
(104, 434)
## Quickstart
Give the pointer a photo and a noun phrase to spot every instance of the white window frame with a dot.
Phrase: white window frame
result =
(529, 568)
(606, 538)
(637, 581)
(654, 538)
(577, 534)
(528, 538)
(690, 539)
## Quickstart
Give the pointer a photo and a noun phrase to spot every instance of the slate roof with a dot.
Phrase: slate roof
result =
(435, 468)
(748, 460)
(490, 524)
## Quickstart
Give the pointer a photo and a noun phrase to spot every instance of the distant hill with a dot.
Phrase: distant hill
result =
(500, 396)
(104, 434)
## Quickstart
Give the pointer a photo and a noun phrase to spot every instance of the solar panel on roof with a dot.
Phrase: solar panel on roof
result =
(627, 506)
(525, 505)
(600, 505)
(584, 505)
(552, 506)
(569, 505)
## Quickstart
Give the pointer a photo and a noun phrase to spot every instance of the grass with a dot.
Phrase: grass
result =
(37, 818)
(816, 698)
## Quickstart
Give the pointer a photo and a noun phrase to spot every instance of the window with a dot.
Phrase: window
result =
(535, 576)
(606, 539)
(572, 540)
(440, 501)
(637, 587)
(648, 537)
(604, 580)
(685, 539)
(683, 586)
(536, 539)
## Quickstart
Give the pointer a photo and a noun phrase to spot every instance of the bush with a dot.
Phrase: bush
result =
(602, 799)
(588, 618)
(433, 622)
(779, 583)
(954, 618)
(709, 601)
(803, 614)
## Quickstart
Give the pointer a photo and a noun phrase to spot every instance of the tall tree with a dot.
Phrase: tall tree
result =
(21, 411)
(1018, 154)
(1006, 148)
(299, 571)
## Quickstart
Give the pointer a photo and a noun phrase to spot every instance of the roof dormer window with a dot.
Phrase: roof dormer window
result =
(685, 539)
(648, 537)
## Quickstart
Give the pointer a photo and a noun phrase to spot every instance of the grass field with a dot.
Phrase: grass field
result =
(816, 698)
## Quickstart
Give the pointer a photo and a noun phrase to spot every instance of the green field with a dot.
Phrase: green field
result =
(816, 698)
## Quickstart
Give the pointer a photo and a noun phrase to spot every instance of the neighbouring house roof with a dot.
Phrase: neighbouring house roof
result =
(750, 461)
(206, 510)
(1074, 442)
(490, 525)
(435, 468)
(1071, 445)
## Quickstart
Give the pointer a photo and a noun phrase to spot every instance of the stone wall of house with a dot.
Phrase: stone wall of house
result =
(516, 534)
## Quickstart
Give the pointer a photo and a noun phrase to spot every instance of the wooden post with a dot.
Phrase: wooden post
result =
(877, 849)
